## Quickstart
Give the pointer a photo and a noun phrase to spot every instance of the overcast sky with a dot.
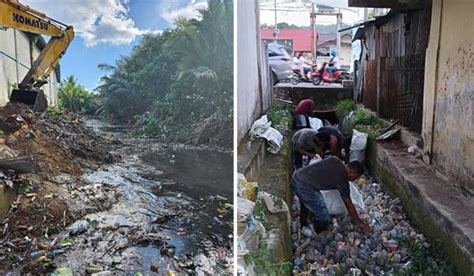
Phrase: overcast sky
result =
(349, 15)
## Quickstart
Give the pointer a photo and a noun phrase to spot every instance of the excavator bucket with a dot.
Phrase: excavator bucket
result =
(36, 99)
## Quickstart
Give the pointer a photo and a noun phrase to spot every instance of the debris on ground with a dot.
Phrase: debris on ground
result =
(59, 148)
(82, 214)
(344, 249)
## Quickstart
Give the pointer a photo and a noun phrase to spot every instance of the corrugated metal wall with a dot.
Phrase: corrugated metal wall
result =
(397, 58)
(369, 95)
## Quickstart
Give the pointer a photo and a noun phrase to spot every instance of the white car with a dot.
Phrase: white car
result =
(280, 62)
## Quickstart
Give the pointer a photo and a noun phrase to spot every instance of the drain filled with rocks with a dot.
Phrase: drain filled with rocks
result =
(344, 248)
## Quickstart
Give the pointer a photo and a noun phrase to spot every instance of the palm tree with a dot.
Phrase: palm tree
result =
(75, 97)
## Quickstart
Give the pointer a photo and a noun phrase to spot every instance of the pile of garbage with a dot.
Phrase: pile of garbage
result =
(59, 147)
(345, 249)
(260, 218)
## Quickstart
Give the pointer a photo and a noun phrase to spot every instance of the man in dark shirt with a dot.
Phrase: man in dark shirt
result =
(308, 142)
(327, 174)
(335, 141)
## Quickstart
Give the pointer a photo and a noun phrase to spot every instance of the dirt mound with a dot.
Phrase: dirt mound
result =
(61, 145)
(59, 142)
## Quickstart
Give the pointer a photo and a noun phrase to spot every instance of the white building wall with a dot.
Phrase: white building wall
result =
(8, 66)
(248, 82)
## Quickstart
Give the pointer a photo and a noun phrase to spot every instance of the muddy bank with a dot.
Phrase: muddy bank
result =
(112, 203)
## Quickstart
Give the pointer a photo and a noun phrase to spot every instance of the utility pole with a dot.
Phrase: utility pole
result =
(315, 35)
(338, 36)
(275, 30)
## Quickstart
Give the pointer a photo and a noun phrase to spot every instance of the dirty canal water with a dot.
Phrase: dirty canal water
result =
(172, 211)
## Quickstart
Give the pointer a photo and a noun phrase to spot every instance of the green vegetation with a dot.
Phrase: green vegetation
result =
(280, 115)
(421, 264)
(24, 187)
(366, 123)
(262, 264)
(260, 213)
(263, 256)
(54, 112)
(76, 98)
(178, 85)
(344, 107)
(359, 120)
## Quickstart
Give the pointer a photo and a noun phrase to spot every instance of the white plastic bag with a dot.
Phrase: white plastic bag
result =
(261, 128)
(315, 123)
(274, 139)
(335, 204)
(358, 145)
(244, 213)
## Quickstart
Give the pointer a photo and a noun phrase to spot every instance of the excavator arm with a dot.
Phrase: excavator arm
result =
(22, 17)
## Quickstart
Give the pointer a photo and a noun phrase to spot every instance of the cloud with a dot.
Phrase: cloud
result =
(97, 22)
(170, 13)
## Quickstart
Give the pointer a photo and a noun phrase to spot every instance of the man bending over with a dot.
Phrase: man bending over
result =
(327, 174)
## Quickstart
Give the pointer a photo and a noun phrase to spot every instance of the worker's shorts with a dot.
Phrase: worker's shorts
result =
(314, 201)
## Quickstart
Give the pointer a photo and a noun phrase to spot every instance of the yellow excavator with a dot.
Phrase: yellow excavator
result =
(21, 17)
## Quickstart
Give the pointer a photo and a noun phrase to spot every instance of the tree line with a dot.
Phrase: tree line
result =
(176, 85)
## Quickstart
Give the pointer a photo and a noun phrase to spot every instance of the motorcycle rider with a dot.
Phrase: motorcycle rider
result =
(331, 67)
(302, 65)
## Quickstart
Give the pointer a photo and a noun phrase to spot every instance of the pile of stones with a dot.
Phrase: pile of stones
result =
(344, 248)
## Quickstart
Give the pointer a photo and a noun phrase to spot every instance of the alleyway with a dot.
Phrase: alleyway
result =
(392, 246)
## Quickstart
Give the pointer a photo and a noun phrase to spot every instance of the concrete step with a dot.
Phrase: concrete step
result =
(440, 210)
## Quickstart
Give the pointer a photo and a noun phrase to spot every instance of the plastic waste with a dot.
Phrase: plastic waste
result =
(261, 128)
(62, 271)
(358, 145)
(78, 227)
(315, 123)
(336, 205)
(247, 189)
(346, 250)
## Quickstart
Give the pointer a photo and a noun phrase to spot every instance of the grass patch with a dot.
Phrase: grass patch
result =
(262, 264)
(345, 107)
(54, 112)
(280, 115)
(421, 263)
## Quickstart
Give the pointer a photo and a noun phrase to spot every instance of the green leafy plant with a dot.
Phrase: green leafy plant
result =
(421, 263)
(260, 212)
(75, 97)
(363, 122)
(279, 114)
(54, 112)
(344, 107)
(24, 187)
(262, 264)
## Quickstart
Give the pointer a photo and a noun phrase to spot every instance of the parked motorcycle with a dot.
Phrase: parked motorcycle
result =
(297, 78)
(323, 75)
